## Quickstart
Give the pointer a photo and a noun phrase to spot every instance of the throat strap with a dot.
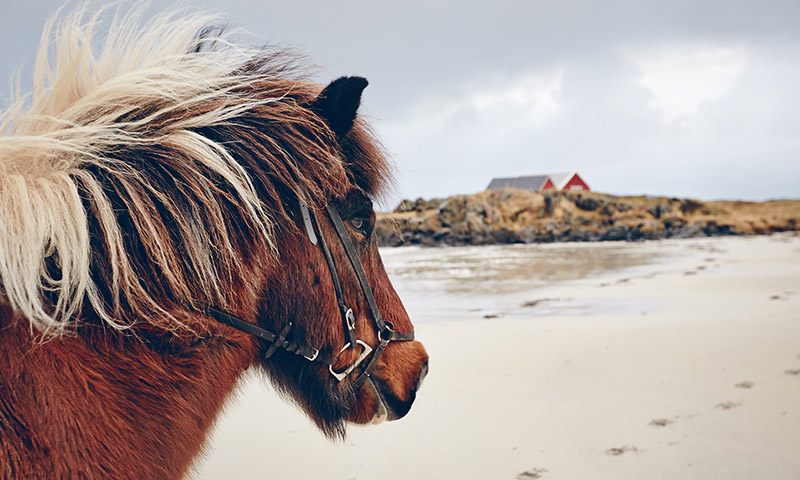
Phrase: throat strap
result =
(275, 340)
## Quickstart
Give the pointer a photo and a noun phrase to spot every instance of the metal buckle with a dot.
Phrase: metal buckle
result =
(350, 317)
(313, 356)
(366, 350)
(386, 339)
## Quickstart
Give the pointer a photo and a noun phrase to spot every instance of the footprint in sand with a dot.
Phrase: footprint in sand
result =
(745, 384)
(533, 303)
(662, 422)
(795, 371)
(617, 451)
(728, 405)
(531, 474)
(784, 296)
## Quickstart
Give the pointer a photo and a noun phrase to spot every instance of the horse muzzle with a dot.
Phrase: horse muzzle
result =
(389, 405)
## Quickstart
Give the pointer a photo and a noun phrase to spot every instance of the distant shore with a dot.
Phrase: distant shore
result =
(517, 216)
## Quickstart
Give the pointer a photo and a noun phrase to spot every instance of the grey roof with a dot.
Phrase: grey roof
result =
(533, 183)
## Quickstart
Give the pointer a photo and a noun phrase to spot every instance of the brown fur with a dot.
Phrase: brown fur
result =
(128, 383)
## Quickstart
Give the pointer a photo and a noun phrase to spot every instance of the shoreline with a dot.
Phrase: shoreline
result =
(696, 381)
(488, 281)
(511, 216)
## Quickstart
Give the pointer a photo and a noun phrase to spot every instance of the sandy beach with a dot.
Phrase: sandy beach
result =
(672, 359)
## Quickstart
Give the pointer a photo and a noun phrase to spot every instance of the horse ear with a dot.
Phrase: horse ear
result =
(338, 103)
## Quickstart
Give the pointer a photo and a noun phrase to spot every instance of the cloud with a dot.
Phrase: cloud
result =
(681, 77)
(446, 143)
(497, 105)
(535, 92)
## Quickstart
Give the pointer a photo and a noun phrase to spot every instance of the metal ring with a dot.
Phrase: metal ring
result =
(313, 356)
(366, 350)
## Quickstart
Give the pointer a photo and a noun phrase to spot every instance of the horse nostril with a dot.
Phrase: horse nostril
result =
(422, 374)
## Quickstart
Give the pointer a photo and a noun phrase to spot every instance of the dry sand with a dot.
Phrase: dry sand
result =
(686, 368)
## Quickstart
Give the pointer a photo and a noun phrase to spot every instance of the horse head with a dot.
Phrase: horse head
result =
(342, 301)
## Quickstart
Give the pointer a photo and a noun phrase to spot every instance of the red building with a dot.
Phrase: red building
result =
(569, 181)
(541, 183)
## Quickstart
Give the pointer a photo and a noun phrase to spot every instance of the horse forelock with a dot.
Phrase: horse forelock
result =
(150, 174)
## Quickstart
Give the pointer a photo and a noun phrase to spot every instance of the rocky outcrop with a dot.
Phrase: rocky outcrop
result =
(517, 216)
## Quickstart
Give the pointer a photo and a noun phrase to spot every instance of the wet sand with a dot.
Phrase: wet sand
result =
(682, 364)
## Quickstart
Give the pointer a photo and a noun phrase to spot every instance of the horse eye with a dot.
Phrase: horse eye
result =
(357, 223)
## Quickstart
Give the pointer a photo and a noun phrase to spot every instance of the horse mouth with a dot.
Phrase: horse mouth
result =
(389, 406)
(381, 413)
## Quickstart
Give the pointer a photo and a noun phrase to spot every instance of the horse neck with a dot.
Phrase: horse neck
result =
(110, 406)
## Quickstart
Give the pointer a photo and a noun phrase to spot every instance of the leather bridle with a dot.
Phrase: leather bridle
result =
(385, 330)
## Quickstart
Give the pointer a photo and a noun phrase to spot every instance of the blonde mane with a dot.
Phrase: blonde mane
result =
(140, 170)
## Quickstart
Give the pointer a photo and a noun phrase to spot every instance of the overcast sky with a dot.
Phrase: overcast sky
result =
(681, 98)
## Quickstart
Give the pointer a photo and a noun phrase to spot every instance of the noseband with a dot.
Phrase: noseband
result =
(385, 330)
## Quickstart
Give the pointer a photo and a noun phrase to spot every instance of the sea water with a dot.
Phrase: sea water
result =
(437, 283)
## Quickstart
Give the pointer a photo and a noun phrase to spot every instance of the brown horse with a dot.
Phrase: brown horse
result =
(173, 211)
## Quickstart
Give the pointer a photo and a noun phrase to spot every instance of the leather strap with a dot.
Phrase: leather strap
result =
(348, 319)
(275, 340)
(386, 330)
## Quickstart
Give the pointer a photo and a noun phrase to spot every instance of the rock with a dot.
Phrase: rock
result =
(622, 207)
(527, 235)
(388, 237)
(549, 203)
(673, 222)
(578, 235)
(712, 229)
(476, 223)
(587, 203)
(651, 230)
(636, 233)
(688, 231)
(620, 232)
(606, 209)
(504, 236)
(659, 209)
(452, 211)
(405, 206)
(688, 205)
(434, 203)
